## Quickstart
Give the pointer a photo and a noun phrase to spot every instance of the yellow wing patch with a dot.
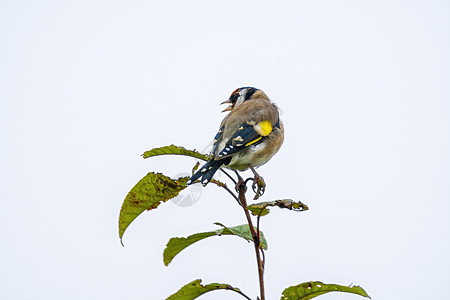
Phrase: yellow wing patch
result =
(264, 128)
(252, 142)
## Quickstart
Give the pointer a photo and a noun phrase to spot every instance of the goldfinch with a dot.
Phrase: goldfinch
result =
(248, 136)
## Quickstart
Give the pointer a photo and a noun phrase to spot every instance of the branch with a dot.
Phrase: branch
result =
(224, 185)
(244, 295)
(229, 176)
(256, 240)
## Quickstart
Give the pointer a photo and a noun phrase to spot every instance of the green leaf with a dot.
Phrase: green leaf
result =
(244, 232)
(195, 289)
(175, 150)
(261, 208)
(178, 244)
(309, 290)
(148, 194)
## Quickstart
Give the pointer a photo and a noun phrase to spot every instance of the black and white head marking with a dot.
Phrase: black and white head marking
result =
(241, 94)
(241, 97)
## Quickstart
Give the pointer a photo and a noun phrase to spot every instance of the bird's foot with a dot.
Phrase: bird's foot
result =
(258, 186)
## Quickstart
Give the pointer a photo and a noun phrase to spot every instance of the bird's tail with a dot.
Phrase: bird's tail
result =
(206, 172)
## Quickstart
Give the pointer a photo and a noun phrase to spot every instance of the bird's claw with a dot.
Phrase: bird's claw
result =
(258, 186)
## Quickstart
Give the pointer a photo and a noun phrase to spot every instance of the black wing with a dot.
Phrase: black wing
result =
(245, 136)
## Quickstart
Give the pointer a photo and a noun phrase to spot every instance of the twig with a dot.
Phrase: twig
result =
(258, 218)
(263, 258)
(257, 226)
(241, 187)
(256, 240)
(259, 238)
(229, 176)
(242, 294)
(224, 185)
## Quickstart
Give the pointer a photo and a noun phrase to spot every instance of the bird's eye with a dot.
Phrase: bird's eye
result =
(234, 97)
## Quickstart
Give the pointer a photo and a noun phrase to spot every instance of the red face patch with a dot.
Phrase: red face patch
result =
(234, 96)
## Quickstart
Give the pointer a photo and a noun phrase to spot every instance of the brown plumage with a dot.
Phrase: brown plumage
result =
(252, 112)
(248, 136)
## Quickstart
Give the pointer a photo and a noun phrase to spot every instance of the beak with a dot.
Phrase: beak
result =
(228, 101)
(229, 108)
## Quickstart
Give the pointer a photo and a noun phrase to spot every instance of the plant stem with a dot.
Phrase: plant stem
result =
(243, 295)
(256, 241)
(221, 184)
(229, 176)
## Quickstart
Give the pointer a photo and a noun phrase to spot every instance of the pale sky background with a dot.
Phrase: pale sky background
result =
(87, 86)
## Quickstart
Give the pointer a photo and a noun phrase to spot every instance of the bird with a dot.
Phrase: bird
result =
(249, 135)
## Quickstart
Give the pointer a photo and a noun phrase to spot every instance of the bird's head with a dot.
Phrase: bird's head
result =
(242, 94)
